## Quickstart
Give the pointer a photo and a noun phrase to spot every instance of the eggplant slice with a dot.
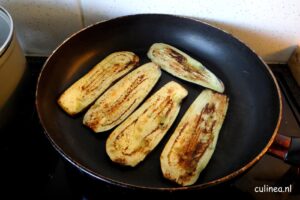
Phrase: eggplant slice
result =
(192, 144)
(88, 88)
(183, 66)
(139, 134)
(119, 101)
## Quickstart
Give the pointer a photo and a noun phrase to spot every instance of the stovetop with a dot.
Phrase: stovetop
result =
(30, 166)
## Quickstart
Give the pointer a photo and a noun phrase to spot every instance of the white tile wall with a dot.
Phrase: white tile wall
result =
(270, 27)
(42, 25)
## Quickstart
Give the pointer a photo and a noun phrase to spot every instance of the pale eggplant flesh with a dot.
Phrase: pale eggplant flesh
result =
(193, 142)
(183, 66)
(89, 87)
(139, 134)
(119, 101)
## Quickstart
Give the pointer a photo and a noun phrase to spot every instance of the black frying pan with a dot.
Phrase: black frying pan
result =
(248, 131)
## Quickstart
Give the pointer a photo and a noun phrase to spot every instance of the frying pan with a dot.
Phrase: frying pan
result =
(250, 126)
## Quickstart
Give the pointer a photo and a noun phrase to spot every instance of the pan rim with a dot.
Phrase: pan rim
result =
(100, 177)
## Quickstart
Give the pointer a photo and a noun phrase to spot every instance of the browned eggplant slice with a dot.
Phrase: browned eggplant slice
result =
(139, 134)
(88, 88)
(183, 66)
(119, 101)
(192, 144)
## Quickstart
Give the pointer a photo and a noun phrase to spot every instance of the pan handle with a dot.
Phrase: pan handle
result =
(286, 148)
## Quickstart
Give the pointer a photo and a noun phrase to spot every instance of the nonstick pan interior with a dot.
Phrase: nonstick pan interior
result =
(250, 125)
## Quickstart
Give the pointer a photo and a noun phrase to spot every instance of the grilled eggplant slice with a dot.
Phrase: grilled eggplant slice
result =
(119, 101)
(183, 66)
(191, 146)
(86, 90)
(139, 134)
